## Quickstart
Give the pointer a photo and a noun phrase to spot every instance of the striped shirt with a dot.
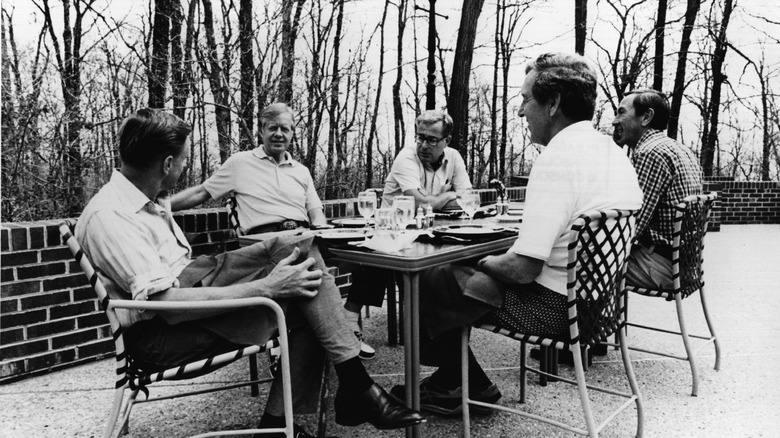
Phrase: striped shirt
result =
(668, 172)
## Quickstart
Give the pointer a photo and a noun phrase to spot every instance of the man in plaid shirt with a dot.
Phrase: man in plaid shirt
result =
(667, 171)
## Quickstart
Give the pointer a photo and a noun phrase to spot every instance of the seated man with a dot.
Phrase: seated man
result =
(273, 191)
(667, 171)
(431, 171)
(141, 253)
(579, 170)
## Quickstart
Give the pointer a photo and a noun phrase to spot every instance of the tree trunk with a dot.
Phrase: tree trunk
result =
(181, 58)
(333, 131)
(430, 89)
(679, 78)
(375, 114)
(218, 87)
(718, 78)
(398, 115)
(289, 35)
(658, 61)
(158, 70)
(580, 25)
(492, 160)
(458, 102)
(247, 107)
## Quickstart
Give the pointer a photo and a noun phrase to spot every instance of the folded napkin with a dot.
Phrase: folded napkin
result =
(390, 243)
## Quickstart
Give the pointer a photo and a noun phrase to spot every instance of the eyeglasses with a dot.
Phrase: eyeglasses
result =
(430, 140)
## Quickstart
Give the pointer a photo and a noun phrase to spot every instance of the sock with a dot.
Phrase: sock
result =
(448, 377)
(353, 378)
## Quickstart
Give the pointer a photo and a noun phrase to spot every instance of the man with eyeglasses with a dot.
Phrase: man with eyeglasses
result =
(431, 171)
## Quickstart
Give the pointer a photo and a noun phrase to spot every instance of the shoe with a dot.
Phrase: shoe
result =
(367, 352)
(374, 406)
(599, 349)
(447, 402)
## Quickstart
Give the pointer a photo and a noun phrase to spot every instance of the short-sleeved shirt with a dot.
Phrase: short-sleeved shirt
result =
(409, 173)
(267, 192)
(668, 172)
(580, 170)
(134, 244)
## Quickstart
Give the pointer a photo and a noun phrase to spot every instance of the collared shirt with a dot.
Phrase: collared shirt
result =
(267, 192)
(668, 172)
(579, 170)
(409, 173)
(134, 244)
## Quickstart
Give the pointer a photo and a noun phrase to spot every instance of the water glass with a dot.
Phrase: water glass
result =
(385, 222)
(367, 204)
(404, 211)
(469, 201)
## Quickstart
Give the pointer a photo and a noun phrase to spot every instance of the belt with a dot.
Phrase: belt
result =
(288, 224)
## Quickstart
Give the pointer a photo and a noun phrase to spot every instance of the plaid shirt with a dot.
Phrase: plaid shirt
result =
(668, 172)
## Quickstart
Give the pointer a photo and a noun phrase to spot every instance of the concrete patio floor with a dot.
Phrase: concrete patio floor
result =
(742, 269)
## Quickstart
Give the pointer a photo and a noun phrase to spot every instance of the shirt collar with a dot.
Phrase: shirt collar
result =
(646, 136)
(132, 198)
(259, 152)
(443, 160)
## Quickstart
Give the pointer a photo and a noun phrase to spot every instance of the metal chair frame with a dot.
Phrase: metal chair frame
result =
(599, 244)
(690, 227)
(129, 377)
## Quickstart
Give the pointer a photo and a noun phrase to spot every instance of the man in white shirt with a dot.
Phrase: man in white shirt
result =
(431, 171)
(580, 170)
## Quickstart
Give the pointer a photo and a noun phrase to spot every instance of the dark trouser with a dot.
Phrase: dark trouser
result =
(314, 323)
(649, 269)
(368, 284)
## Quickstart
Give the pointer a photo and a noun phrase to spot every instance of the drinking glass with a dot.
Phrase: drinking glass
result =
(385, 222)
(469, 201)
(367, 204)
(404, 210)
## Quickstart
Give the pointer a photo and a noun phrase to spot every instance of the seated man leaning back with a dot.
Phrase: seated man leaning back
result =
(275, 193)
(579, 170)
(141, 253)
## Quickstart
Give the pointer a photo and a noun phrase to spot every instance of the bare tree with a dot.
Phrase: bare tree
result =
(458, 101)
(679, 78)
(210, 63)
(333, 111)
(375, 113)
(398, 114)
(658, 61)
(161, 41)
(580, 25)
(290, 27)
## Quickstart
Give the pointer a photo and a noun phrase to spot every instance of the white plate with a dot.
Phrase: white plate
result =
(352, 222)
(467, 231)
(343, 236)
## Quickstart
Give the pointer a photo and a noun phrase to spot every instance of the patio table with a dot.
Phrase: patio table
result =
(410, 262)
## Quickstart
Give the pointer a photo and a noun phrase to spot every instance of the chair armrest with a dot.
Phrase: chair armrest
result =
(235, 303)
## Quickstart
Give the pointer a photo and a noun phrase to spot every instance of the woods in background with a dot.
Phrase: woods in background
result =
(357, 72)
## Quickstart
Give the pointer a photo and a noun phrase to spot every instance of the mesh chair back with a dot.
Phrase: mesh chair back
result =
(690, 226)
(599, 244)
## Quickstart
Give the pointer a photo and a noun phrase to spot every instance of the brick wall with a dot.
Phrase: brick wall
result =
(49, 317)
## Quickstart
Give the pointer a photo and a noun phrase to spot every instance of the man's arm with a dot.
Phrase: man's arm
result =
(189, 198)
(512, 268)
(317, 217)
(286, 280)
(436, 201)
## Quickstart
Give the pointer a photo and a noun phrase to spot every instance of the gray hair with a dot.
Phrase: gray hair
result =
(431, 117)
(273, 111)
(571, 77)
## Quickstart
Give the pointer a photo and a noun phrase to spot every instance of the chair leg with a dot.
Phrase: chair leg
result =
(631, 380)
(114, 415)
(392, 316)
(322, 408)
(523, 372)
(464, 380)
(255, 388)
(711, 328)
(687, 343)
(579, 371)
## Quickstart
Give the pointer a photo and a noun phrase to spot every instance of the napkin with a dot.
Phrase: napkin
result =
(390, 243)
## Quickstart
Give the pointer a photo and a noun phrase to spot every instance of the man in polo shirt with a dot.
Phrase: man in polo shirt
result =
(579, 170)
(431, 171)
(668, 172)
(274, 192)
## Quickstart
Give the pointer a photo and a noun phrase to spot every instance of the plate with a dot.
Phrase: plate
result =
(468, 231)
(510, 218)
(352, 222)
(343, 236)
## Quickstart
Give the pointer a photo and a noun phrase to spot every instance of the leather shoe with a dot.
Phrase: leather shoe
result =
(374, 406)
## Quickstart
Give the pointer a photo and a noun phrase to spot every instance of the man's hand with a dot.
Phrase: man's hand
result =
(288, 280)
(511, 268)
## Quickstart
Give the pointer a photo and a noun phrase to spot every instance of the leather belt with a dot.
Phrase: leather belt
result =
(288, 224)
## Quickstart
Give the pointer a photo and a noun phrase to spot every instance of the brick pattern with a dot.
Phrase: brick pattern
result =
(50, 318)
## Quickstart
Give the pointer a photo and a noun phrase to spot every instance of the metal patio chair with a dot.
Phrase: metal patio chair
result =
(599, 244)
(690, 226)
(137, 380)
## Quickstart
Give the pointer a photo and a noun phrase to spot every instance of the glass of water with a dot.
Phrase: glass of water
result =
(385, 222)
(367, 204)
(469, 201)
(404, 211)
